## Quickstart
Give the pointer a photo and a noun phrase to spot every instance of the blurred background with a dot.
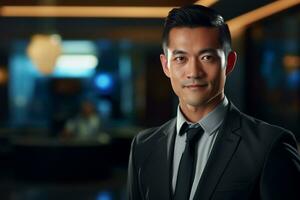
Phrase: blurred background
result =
(79, 79)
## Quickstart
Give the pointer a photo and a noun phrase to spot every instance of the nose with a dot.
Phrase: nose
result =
(195, 69)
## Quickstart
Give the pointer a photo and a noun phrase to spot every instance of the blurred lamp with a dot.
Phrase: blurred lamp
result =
(104, 196)
(3, 76)
(76, 65)
(44, 50)
(291, 62)
(104, 82)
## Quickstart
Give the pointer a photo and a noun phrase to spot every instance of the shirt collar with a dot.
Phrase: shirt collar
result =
(211, 122)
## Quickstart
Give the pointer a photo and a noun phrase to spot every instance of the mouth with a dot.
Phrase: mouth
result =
(196, 86)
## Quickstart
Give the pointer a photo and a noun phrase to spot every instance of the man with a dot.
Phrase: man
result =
(86, 125)
(235, 156)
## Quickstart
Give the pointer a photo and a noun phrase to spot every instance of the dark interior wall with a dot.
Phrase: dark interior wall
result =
(159, 94)
(272, 84)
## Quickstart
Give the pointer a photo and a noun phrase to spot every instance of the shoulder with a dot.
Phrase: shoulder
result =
(255, 131)
(260, 125)
(268, 133)
(154, 133)
(147, 140)
(273, 150)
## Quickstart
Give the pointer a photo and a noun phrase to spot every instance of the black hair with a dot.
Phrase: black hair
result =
(197, 16)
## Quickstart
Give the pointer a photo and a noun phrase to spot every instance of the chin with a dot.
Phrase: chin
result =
(195, 103)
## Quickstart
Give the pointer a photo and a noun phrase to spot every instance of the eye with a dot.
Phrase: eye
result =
(180, 59)
(207, 58)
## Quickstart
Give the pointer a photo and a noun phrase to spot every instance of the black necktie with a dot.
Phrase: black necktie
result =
(187, 164)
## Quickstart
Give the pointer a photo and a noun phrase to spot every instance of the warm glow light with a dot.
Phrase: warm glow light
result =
(3, 76)
(91, 11)
(241, 22)
(291, 62)
(207, 3)
(43, 51)
(86, 11)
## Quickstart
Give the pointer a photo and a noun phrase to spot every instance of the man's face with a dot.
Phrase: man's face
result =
(87, 109)
(196, 65)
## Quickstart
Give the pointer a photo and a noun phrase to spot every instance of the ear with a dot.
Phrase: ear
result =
(231, 59)
(164, 64)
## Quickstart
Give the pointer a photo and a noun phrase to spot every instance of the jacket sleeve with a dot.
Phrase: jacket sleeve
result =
(132, 179)
(281, 174)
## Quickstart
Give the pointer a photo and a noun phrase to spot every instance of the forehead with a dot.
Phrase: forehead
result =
(194, 38)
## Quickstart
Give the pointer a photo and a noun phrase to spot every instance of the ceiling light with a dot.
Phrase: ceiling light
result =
(241, 22)
(206, 3)
(87, 11)
(91, 11)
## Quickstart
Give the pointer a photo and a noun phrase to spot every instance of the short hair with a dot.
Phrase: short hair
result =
(197, 16)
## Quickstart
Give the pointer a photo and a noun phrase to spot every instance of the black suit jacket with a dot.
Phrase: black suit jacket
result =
(250, 160)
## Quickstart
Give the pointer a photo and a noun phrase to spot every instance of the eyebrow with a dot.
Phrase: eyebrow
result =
(176, 52)
(208, 50)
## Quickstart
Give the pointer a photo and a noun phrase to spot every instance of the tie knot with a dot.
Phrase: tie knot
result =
(193, 132)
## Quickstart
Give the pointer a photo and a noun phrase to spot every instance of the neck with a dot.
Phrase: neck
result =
(196, 113)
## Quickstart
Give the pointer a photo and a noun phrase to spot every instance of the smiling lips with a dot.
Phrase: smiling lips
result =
(195, 86)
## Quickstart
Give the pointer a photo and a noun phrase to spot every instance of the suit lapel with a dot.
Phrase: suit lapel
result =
(224, 148)
(157, 168)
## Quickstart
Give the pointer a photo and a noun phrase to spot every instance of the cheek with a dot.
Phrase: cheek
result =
(217, 77)
(221, 81)
(177, 74)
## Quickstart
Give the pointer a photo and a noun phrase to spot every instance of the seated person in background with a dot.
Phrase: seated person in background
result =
(84, 126)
